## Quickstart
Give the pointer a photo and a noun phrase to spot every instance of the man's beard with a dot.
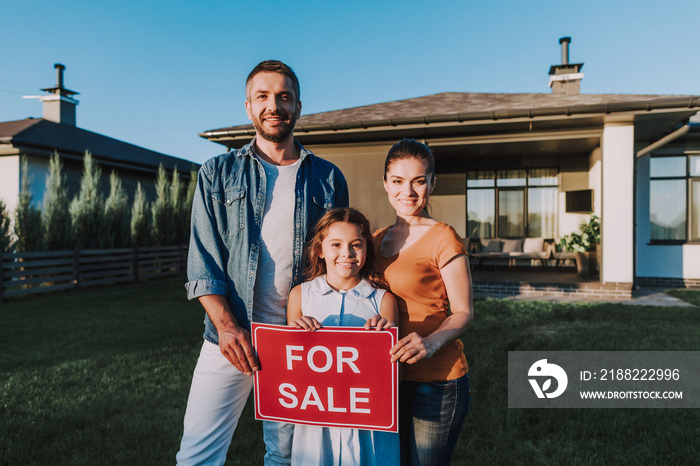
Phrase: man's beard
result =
(281, 133)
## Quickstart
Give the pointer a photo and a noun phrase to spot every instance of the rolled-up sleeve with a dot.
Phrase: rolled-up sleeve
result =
(206, 266)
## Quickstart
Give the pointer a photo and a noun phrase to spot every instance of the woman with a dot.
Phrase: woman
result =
(425, 264)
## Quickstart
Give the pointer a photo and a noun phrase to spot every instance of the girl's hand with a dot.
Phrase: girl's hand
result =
(307, 323)
(412, 348)
(379, 323)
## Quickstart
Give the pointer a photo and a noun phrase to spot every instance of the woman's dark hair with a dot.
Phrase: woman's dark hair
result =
(411, 149)
(316, 266)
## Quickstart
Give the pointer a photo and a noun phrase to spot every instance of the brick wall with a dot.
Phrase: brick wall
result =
(664, 282)
(611, 291)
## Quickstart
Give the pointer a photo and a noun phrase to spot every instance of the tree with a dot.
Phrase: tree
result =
(29, 229)
(191, 188)
(87, 208)
(178, 201)
(140, 222)
(57, 220)
(116, 225)
(162, 211)
(5, 231)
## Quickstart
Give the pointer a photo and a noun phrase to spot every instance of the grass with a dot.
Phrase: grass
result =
(494, 434)
(101, 376)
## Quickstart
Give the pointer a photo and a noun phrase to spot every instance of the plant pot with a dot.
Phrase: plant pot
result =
(587, 263)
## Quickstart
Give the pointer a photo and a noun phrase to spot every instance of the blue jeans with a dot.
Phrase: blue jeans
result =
(431, 415)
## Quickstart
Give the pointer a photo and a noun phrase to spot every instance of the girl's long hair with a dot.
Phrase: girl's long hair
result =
(316, 266)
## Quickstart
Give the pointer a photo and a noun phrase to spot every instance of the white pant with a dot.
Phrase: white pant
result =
(218, 395)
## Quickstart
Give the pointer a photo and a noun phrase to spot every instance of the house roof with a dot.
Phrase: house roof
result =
(43, 137)
(465, 106)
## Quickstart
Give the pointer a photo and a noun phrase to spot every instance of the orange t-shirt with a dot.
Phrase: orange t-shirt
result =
(414, 278)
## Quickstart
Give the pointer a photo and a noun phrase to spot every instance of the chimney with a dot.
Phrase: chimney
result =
(565, 78)
(59, 104)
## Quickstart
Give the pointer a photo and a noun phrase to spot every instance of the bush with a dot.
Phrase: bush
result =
(57, 221)
(162, 211)
(177, 204)
(191, 188)
(140, 221)
(29, 229)
(5, 232)
(586, 241)
(87, 208)
(116, 225)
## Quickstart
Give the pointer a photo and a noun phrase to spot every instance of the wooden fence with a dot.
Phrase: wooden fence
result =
(40, 272)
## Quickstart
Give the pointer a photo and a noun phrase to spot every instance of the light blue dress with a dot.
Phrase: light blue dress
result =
(314, 445)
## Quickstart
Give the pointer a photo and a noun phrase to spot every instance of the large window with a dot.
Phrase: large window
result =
(512, 203)
(674, 198)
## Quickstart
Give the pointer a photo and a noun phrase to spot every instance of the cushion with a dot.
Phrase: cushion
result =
(473, 245)
(533, 245)
(513, 245)
(491, 245)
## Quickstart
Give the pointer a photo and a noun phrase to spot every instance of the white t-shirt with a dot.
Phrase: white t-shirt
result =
(274, 274)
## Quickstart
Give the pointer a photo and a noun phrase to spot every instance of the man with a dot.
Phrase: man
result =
(253, 211)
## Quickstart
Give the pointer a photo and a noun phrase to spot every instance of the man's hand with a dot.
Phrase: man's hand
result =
(235, 345)
(234, 341)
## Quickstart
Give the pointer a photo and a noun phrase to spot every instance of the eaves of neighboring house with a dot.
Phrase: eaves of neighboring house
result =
(38, 138)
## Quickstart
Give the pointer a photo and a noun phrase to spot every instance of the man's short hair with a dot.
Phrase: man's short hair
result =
(275, 66)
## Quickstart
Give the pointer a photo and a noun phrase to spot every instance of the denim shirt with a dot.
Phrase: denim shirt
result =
(227, 215)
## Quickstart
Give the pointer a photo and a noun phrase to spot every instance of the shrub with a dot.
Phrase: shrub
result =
(57, 221)
(177, 204)
(162, 211)
(140, 221)
(87, 208)
(191, 188)
(29, 229)
(116, 225)
(5, 232)
(586, 241)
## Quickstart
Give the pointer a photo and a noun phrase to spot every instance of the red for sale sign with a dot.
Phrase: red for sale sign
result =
(336, 376)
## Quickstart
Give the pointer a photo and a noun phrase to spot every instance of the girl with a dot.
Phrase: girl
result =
(342, 290)
(426, 267)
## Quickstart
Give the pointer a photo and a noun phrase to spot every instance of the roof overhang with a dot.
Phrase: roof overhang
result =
(651, 118)
(45, 151)
(41, 138)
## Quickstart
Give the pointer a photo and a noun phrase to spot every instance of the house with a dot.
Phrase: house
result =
(506, 164)
(38, 138)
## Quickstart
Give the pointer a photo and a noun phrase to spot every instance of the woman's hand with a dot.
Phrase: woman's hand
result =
(412, 348)
(307, 323)
(379, 323)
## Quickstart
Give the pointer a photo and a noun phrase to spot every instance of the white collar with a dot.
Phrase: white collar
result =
(364, 289)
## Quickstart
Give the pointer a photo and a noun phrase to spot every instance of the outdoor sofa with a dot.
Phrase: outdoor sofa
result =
(510, 250)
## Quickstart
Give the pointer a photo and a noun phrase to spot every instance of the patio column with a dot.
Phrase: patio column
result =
(617, 220)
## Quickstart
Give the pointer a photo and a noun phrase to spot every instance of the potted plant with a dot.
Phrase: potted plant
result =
(584, 244)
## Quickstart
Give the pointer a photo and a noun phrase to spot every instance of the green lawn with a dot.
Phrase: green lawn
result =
(101, 376)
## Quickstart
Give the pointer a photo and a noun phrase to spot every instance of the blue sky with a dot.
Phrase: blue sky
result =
(157, 73)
